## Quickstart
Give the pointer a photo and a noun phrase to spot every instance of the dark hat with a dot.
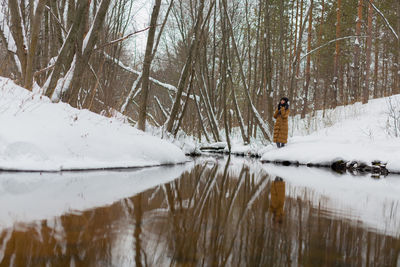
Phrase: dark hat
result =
(285, 99)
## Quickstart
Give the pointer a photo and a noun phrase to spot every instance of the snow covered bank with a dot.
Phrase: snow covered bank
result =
(362, 133)
(373, 202)
(26, 197)
(38, 135)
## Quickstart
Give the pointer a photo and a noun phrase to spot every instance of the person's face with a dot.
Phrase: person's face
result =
(282, 101)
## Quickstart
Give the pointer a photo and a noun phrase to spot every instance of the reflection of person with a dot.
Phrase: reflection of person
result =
(281, 127)
(277, 200)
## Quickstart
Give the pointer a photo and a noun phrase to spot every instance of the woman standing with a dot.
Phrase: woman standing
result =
(281, 127)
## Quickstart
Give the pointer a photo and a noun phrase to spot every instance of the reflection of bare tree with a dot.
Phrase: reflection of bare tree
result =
(211, 216)
(206, 228)
(137, 202)
(218, 220)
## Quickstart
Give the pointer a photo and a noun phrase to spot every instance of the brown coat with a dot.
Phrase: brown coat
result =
(281, 127)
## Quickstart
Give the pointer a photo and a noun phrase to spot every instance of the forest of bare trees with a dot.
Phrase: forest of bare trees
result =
(210, 67)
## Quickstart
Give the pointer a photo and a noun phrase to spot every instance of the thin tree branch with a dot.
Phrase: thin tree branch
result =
(43, 70)
(384, 19)
(57, 20)
(121, 39)
(161, 30)
(331, 41)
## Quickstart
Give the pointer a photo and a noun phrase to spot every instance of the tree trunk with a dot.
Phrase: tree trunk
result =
(300, 34)
(280, 44)
(238, 113)
(308, 64)
(268, 66)
(208, 105)
(317, 95)
(18, 35)
(296, 61)
(82, 60)
(57, 28)
(185, 105)
(188, 65)
(356, 70)
(223, 77)
(368, 56)
(138, 215)
(335, 81)
(376, 62)
(146, 66)
(398, 48)
(35, 28)
(11, 57)
(67, 52)
(71, 14)
(254, 112)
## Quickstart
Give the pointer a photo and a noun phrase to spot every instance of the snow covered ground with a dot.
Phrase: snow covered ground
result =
(363, 133)
(36, 134)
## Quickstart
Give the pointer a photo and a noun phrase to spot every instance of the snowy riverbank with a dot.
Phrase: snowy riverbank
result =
(37, 135)
(355, 134)
(359, 133)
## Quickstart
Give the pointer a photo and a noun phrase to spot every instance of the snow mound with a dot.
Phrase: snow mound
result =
(361, 133)
(24, 151)
(39, 135)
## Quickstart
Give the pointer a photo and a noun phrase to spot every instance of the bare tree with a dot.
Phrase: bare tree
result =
(147, 64)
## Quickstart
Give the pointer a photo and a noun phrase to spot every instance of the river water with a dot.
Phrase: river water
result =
(209, 212)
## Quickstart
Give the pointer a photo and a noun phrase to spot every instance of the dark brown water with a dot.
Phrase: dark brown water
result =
(215, 214)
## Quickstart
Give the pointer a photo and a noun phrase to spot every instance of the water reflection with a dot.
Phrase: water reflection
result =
(277, 200)
(216, 214)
